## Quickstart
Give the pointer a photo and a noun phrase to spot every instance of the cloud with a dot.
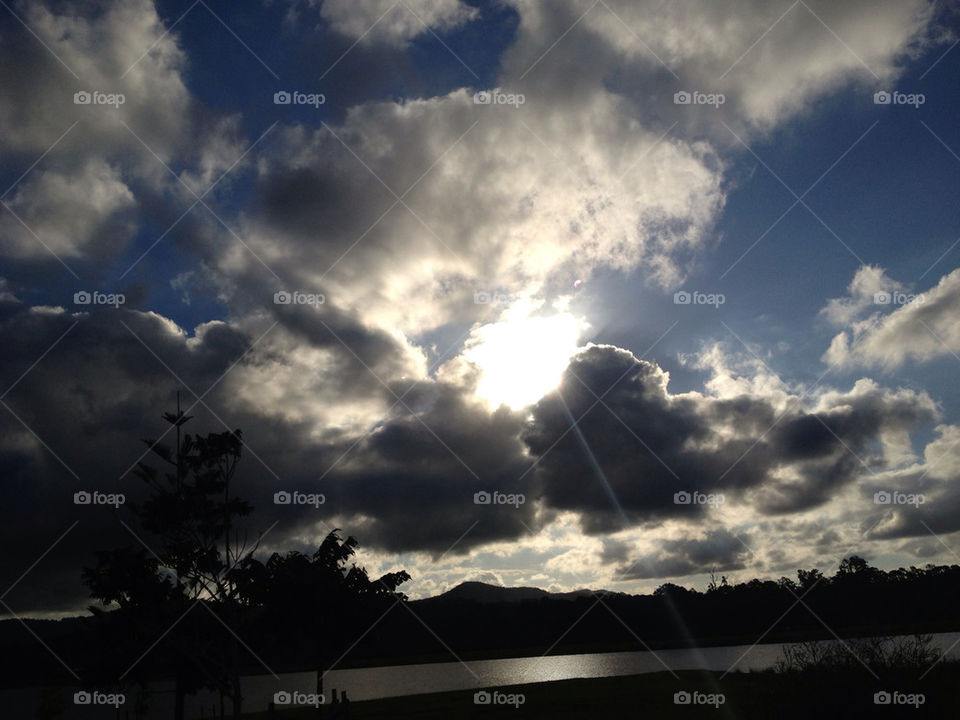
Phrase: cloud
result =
(95, 46)
(841, 440)
(635, 444)
(403, 479)
(868, 282)
(580, 177)
(371, 21)
(84, 212)
(771, 60)
(108, 171)
(399, 212)
(490, 205)
(919, 327)
(715, 550)
(934, 479)
(80, 390)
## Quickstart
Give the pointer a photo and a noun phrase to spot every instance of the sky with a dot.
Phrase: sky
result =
(674, 286)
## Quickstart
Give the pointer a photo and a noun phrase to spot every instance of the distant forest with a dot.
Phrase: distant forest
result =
(857, 600)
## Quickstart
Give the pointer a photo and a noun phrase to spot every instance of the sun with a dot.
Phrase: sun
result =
(522, 357)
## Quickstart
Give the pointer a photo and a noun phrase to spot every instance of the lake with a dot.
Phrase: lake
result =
(396, 680)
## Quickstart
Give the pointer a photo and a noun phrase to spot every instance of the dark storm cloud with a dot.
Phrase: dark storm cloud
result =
(490, 204)
(718, 550)
(75, 412)
(84, 407)
(408, 482)
(614, 551)
(77, 416)
(301, 200)
(412, 481)
(846, 446)
(650, 444)
(939, 516)
(365, 357)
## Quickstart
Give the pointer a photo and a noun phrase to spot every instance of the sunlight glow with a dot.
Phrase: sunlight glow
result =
(522, 357)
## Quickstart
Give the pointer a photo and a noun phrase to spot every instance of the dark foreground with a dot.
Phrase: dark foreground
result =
(764, 695)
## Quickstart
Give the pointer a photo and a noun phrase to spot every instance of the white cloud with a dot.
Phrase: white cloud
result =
(375, 21)
(920, 330)
(866, 284)
(73, 213)
(770, 59)
(525, 198)
(100, 163)
(98, 49)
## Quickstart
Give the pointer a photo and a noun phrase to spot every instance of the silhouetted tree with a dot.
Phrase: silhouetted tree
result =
(190, 515)
(198, 557)
(317, 602)
(852, 565)
(808, 578)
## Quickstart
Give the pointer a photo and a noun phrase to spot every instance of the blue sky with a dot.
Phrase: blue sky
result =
(492, 271)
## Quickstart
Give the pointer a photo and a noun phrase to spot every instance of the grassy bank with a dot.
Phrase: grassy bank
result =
(746, 695)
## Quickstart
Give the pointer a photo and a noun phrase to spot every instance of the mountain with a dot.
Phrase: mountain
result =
(485, 593)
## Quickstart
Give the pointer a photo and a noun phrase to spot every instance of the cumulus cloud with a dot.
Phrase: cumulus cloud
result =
(401, 474)
(635, 444)
(715, 550)
(918, 327)
(108, 170)
(769, 59)
(69, 214)
(94, 49)
(490, 205)
(925, 495)
(74, 421)
(400, 212)
(869, 284)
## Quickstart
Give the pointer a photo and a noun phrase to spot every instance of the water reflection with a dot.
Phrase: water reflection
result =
(369, 683)
(397, 680)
